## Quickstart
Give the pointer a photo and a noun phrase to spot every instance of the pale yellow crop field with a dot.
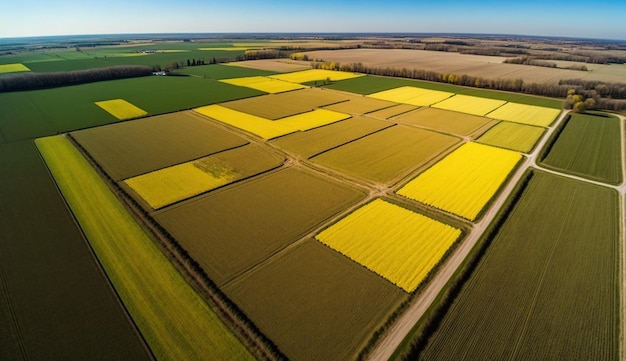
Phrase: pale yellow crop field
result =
(470, 104)
(514, 136)
(305, 76)
(268, 129)
(393, 242)
(526, 114)
(263, 84)
(464, 181)
(412, 95)
(13, 68)
(121, 109)
(168, 185)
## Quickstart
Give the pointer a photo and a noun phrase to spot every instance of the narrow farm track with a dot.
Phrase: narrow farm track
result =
(420, 304)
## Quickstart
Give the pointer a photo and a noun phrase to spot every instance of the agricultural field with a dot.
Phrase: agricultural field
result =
(473, 174)
(173, 319)
(121, 109)
(13, 68)
(277, 106)
(272, 65)
(392, 111)
(588, 146)
(222, 71)
(469, 104)
(387, 155)
(445, 121)
(233, 229)
(173, 184)
(359, 105)
(514, 136)
(52, 292)
(264, 84)
(315, 303)
(311, 75)
(316, 141)
(371, 84)
(37, 113)
(267, 128)
(559, 296)
(525, 114)
(412, 95)
(393, 242)
(140, 146)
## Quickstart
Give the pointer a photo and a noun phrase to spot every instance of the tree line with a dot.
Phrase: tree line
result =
(30, 81)
(608, 96)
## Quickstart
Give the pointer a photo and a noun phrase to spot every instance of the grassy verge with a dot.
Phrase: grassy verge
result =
(174, 320)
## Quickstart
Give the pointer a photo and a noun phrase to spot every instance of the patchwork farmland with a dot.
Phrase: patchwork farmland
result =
(301, 214)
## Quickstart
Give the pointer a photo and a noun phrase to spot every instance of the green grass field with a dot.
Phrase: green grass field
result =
(588, 146)
(218, 71)
(373, 84)
(547, 288)
(173, 319)
(387, 155)
(316, 304)
(135, 147)
(55, 302)
(232, 229)
(315, 141)
(37, 113)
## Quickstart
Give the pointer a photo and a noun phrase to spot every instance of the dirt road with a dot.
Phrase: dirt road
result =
(420, 303)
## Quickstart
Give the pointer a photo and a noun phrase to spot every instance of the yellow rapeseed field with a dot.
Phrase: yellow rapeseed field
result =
(526, 114)
(514, 136)
(168, 185)
(121, 109)
(470, 104)
(13, 68)
(266, 128)
(464, 181)
(305, 76)
(412, 95)
(263, 84)
(397, 244)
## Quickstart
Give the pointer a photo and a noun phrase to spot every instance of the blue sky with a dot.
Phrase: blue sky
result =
(575, 18)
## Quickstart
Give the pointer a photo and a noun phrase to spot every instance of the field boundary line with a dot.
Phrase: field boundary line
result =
(90, 248)
(14, 319)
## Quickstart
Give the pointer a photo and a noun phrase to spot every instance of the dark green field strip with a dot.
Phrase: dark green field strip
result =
(386, 155)
(588, 146)
(315, 141)
(97, 60)
(38, 113)
(316, 304)
(373, 84)
(231, 230)
(218, 71)
(548, 286)
(135, 147)
(55, 304)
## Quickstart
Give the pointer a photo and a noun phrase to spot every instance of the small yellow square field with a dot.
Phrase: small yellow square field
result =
(13, 68)
(412, 95)
(306, 76)
(168, 185)
(464, 181)
(263, 84)
(514, 136)
(469, 104)
(526, 114)
(121, 109)
(393, 242)
(268, 129)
